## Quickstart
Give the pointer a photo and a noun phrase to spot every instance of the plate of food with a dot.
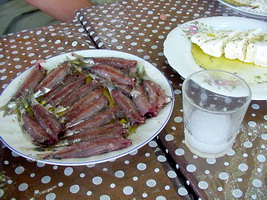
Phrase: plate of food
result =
(255, 8)
(218, 43)
(84, 107)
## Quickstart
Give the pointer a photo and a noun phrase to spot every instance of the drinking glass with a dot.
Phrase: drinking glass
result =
(214, 106)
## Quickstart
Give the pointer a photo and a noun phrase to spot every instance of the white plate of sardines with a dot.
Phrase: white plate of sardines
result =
(85, 107)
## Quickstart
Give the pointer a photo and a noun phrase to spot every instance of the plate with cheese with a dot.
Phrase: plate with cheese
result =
(233, 44)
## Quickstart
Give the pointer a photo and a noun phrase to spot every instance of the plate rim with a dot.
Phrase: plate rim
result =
(113, 157)
(244, 11)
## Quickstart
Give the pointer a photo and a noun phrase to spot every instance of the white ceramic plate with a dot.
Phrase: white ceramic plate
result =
(246, 11)
(14, 139)
(177, 49)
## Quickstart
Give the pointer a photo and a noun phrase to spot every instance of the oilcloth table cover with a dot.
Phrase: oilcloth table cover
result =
(141, 175)
(140, 27)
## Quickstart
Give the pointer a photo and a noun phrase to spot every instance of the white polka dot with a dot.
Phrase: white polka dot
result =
(255, 106)
(248, 144)
(243, 167)
(141, 166)
(23, 187)
(179, 152)
(104, 197)
(68, 171)
(57, 42)
(153, 144)
(211, 161)
(162, 158)
(167, 187)
(74, 189)
(261, 158)
(169, 137)
(19, 170)
(134, 153)
(89, 193)
(230, 152)
(257, 183)
(203, 185)
(39, 164)
(127, 190)
(178, 119)
(223, 176)
(119, 174)
(50, 196)
(237, 193)
(264, 136)
(112, 185)
(46, 179)
(252, 124)
(97, 180)
(171, 174)
(220, 189)
(74, 44)
(157, 170)
(182, 191)
(160, 198)
(144, 195)
(151, 183)
(191, 168)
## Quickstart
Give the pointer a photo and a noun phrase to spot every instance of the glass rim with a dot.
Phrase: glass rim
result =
(249, 97)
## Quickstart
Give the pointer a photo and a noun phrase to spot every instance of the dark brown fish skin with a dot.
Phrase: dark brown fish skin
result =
(103, 132)
(81, 104)
(157, 97)
(89, 110)
(69, 78)
(112, 74)
(38, 135)
(36, 75)
(78, 94)
(140, 98)
(90, 148)
(119, 63)
(128, 107)
(66, 90)
(47, 120)
(104, 117)
(53, 78)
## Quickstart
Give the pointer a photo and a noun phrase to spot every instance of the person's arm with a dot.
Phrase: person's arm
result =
(62, 10)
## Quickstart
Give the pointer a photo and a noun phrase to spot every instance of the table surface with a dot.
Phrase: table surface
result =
(163, 169)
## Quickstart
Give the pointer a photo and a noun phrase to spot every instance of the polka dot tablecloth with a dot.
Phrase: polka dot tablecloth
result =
(140, 27)
(144, 174)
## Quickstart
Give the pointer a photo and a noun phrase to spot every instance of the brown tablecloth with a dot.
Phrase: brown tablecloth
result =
(140, 27)
(144, 174)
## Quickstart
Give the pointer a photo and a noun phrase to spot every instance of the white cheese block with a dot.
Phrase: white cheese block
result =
(236, 48)
(213, 42)
(252, 50)
(261, 54)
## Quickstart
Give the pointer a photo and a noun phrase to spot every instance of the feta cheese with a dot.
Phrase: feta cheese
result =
(252, 50)
(213, 43)
(261, 54)
(236, 48)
